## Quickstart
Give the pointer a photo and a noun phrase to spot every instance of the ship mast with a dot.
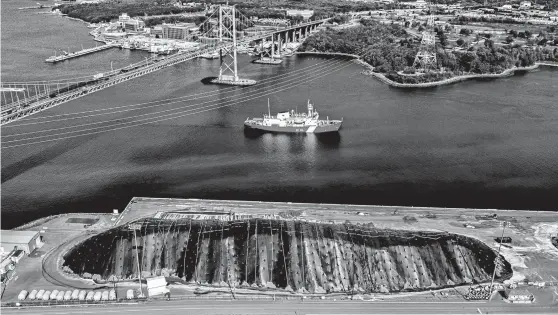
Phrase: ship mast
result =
(268, 109)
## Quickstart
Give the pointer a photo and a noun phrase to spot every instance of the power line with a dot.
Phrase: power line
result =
(297, 80)
(168, 118)
(210, 93)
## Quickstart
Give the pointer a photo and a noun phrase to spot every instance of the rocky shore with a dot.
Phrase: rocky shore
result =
(506, 73)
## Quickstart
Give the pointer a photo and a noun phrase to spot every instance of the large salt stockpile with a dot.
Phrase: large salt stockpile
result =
(289, 254)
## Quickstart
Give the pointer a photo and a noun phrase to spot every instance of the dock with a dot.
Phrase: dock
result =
(268, 61)
(54, 59)
(43, 6)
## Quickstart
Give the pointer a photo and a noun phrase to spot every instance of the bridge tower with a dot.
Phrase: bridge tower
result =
(228, 71)
(425, 60)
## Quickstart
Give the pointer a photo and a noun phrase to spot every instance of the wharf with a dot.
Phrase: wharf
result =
(54, 59)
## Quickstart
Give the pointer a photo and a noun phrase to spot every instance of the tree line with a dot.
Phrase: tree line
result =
(390, 50)
(110, 10)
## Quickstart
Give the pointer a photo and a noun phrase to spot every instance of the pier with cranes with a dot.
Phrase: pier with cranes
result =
(22, 99)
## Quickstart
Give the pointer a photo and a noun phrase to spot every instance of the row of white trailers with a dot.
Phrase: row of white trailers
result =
(76, 295)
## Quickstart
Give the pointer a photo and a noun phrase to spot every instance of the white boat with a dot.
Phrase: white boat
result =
(213, 55)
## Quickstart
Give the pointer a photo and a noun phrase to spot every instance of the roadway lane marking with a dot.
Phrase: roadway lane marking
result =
(478, 310)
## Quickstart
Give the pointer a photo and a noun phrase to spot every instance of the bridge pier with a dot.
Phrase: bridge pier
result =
(269, 58)
(228, 72)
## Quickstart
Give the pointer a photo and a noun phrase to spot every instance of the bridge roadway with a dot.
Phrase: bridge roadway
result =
(45, 103)
(292, 307)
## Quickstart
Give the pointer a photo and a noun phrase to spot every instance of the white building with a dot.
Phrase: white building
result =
(27, 241)
(123, 18)
(525, 5)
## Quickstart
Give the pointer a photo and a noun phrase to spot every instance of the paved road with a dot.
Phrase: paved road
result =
(294, 308)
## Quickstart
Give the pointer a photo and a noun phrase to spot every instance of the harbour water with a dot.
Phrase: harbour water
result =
(489, 144)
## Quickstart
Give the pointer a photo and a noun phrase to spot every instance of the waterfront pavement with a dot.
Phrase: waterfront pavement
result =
(295, 308)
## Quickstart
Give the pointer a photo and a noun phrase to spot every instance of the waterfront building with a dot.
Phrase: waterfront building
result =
(27, 241)
(113, 37)
(157, 31)
(177, 31)
(306, 14)
(134, 25)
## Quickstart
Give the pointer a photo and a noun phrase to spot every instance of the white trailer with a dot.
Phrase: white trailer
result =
(33, 295)
(22, 295)
(40, 294)
(53, 294)
(97, 296)
(75, 294)
(112, 295)
(60, 296)
(46, 295)
(82, 294)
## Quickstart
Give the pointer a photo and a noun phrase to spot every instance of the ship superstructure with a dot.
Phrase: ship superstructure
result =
(294, 122)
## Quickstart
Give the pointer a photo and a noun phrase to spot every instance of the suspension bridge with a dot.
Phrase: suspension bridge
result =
(222, 31)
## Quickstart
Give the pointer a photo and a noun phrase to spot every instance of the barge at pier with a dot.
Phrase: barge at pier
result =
(293, 122)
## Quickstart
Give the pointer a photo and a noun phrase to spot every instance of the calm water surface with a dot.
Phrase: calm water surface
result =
(485, 144)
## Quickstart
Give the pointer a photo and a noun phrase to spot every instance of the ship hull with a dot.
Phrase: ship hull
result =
(332, 127)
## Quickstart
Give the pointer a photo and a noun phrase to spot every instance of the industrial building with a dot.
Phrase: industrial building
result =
(27, 241)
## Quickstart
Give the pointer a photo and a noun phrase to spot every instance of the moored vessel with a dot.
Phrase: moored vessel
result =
(293, 122)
